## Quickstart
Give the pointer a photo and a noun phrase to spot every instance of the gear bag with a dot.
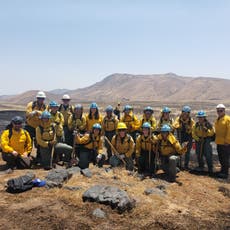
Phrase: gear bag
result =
(20, 184)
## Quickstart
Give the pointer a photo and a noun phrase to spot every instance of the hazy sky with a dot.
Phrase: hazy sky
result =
(49, 44)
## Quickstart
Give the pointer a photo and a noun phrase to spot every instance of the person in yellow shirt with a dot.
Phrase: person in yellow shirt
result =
(131, 121)
(123, 148)
(165, 118)
(117, 110)
(47, 136)
(16, 145)
(145, 150)
(169, 148)
(56, 117)
(93, 117)
(222, 129)
(66, 109)
(34, 110)
(77, 120)
(148, 117)
(91, 148)
(183, 126)
(109, 125)
(202, 133)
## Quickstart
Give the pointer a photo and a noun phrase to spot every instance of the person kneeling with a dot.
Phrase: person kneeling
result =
(90, 148)
(123, 148)
(169, 148)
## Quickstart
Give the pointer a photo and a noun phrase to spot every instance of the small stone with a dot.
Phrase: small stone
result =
(72, 188)
(86, 172)
(99, 213)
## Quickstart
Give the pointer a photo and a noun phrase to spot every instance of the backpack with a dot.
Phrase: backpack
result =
(20, 184)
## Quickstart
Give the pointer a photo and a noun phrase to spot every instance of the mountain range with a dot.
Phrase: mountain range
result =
(128, 87)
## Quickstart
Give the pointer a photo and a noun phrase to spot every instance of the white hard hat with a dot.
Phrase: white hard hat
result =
(66, 97)
(220, 106)
(41, 94)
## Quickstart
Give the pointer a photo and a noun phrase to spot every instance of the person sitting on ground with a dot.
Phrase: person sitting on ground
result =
(91, 148)
(145, 150)
(202, 133)
(93, 117)
(16, 145)
(169, 147)
(47, 135)
(123, 148)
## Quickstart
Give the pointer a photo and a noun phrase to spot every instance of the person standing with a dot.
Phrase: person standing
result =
(93, 117)
(109, 125)
(16, 145)
(202, 133)
(66, 109)
(148, 117)
(34, 110)
(184, 125)
(222, 129)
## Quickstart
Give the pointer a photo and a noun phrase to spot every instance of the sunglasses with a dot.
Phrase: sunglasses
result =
(220, 110)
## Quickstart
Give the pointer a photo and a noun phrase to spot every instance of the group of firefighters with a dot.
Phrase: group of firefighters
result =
(63, 133)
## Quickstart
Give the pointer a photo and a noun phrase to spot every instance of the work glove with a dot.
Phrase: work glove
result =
(184, 144)
(33, 113)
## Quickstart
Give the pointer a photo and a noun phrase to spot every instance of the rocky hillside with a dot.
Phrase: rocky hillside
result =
(127, 87)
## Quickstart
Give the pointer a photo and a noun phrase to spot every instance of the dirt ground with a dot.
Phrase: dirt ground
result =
(192, 202)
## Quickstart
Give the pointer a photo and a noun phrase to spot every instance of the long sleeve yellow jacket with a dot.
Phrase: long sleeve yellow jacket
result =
(222, 129)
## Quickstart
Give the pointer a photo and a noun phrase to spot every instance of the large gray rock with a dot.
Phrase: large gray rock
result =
(74, 170)
(159, 190)
(57, 177)
(86, 172)
(109, 195)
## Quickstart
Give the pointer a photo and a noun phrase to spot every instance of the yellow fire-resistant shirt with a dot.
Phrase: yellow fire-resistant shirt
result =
(152, 121)
(188, 123)
(109, 124)
(162, 122)
(90, 141)
(145, 144)
(131, 121)
(57, 118)
(222, 129)
(19, 142)
(33, 119)
(46, 132)
(123, 146)
(201, 131)
(92, 121)
(77, 123)
(170, 146)
(66, 112)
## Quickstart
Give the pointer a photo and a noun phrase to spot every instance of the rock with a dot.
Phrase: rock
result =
(51, 184)
(86, 172)
(159, 190)
(109, 195)
(72, 188)
(225, 191)
(74, 170)
(57, 177)
(99, 213)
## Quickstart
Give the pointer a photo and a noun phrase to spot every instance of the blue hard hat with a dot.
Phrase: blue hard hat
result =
(93, 105)
(186, 109)
(53, 104)
(148, 108)
(146, 125)
(97, 126)
(109, 108)
(166, 110)
(165, 128)
(17, 120)
(78, 106)
(127, 107)
(201, 113)
(45, 115)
